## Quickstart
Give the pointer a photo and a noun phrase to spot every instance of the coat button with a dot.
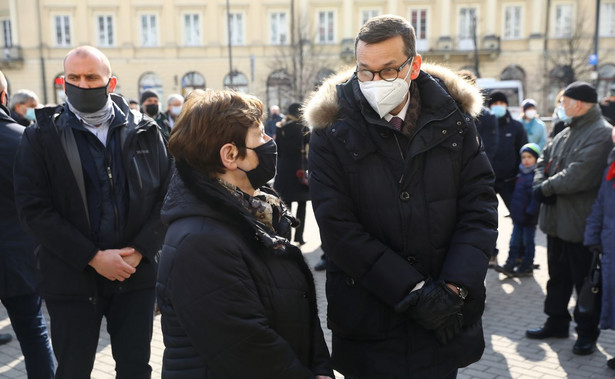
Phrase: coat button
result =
(411, 259)
(404, 196)
(444, 131)
(454, 144)
(333, 130)
(459, 123)
(350, 281)
(355, 154)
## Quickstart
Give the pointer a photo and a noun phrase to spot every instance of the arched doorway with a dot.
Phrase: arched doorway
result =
(606, 79)
(236, 81)
(191, 81)
(150, 81)
(279, 89)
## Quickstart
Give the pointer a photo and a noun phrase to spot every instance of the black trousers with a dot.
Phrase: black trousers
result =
(75, 327)
(568, 265)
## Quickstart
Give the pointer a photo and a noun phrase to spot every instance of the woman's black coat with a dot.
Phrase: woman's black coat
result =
(232, 305)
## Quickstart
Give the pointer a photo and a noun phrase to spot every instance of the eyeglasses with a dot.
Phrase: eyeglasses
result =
(387, 74)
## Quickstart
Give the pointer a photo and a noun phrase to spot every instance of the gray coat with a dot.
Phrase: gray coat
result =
(571, 168)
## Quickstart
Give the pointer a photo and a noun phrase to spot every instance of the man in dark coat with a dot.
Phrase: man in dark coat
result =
(150, 105)
(406, 210)
(272, 120)
(90, 178)
(512, 137)
(17, 277)
(23, 104)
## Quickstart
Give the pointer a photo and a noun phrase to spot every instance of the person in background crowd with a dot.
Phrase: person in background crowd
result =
(558, 125)
(600, 234)
(174, 107)
(512, 137)
(534, 127)
(292, 139)
(133, 104)
(524, 214)
(566, 182)
(23, 104)
(150, 105)
(89, 180)
(237, 298)
(486, 122)
(272, 121)
(607, 105)
(403, 195)
(17, 276)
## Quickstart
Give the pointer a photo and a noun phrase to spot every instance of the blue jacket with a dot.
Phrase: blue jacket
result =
(536, 131)
(600, 230)
(524, 207)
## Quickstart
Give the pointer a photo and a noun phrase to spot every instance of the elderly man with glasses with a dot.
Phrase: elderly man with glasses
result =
(403, 194)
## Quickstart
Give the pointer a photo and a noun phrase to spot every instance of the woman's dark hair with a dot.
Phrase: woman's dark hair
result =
(380, 28)
(210, 119)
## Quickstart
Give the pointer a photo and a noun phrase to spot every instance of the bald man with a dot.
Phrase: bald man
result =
(90, 178)
(18, 276)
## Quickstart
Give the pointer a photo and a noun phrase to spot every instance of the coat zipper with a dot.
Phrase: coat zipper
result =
(113, 200)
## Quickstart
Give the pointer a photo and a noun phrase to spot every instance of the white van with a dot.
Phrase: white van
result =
(513, 89)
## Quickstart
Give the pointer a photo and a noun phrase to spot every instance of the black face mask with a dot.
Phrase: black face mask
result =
(267, 154)
(86, 100)
(152, 109)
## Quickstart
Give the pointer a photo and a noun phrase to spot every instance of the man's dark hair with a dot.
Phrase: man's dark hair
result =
(380, 28)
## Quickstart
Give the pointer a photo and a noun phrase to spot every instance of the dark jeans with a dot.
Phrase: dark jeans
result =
(452, 375)
(301, 217)
(522, 238)
(75, 327)
(31, 331)
(568, 265)
(505, 189)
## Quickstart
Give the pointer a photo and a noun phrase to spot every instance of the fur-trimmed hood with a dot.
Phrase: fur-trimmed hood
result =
(321, 108)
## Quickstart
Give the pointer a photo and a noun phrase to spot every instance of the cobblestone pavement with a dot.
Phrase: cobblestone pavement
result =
(513, 305)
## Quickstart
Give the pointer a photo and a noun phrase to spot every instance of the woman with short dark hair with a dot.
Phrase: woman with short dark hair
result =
(236, 297)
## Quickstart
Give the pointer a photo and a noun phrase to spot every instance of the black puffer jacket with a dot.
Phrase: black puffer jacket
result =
(393, 210)
(53, 207)
(232, 305)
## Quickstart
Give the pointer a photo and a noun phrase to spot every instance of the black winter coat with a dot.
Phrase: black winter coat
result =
(51, 206)
(290, 139)
(17, 273)
(388, 222)
(232, 305)
(507, 158)
(487, 126)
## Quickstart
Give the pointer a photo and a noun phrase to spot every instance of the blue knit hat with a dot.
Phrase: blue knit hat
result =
(531, 148)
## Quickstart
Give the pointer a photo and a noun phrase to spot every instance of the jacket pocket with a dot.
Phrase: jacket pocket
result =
(354, 313)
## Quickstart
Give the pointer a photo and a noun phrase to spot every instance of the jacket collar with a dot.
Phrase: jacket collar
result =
(593, 115)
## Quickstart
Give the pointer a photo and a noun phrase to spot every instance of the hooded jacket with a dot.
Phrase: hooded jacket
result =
(394, 209)
(570, 168)
(53, 203)
(237, 300)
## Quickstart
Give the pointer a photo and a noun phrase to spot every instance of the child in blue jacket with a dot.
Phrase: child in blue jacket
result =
(524, 213)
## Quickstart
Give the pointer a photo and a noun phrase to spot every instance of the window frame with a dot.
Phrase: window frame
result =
(66, 29)
(515, 24)
(237, 38)
(560, 30)
(155, 40)
(189, 38)
(329, 35)
(106, 17)
(282, 28)
(604, 17)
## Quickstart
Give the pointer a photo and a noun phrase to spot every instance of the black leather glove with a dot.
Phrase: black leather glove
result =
(541, 198)
(448, 331)
(432, 305)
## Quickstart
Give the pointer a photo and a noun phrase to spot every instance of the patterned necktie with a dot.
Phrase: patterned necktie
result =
(396, 122)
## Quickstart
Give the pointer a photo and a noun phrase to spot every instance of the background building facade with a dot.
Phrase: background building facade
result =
(280, 50)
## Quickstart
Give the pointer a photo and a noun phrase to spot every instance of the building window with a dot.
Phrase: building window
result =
(150, 81)
(563, 21)
(58, 89)
(237, 27)
(7, 33)
(105, 31)
(367, 14)
(62, 29)
(326, 27)
(236, 81)
(191, 81)
(192, 29)
(607, 20)
(279, 28)
(149, 30)
(606, 80)
(512, 22)
(467, 28)
(418, 19)
(279, 89)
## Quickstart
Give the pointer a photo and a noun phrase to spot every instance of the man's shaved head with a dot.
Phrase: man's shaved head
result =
(84, 51)
(3, 83)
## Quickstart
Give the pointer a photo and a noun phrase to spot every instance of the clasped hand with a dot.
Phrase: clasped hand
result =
(116, 264)
(436, 307)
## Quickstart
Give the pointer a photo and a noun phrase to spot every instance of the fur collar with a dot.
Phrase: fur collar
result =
(321, 108)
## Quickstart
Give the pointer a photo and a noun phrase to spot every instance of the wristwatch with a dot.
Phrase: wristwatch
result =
(463, 293)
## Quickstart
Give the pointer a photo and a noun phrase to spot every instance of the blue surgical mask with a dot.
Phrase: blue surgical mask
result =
(561, 114)
(30, 116)
(498, 110)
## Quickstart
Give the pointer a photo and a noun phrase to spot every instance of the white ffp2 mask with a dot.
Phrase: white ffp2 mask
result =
(384, 96)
